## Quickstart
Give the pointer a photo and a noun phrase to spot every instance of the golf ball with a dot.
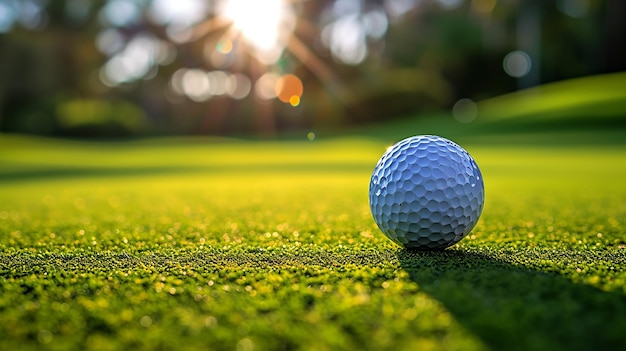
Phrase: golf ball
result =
(426, 192)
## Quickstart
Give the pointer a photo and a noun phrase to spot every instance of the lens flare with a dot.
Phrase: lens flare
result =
(289, 89)
(225, 46)
(294, 100)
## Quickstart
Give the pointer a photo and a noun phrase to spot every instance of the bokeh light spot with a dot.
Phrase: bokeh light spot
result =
(238, 86)
(294, 100)
(109, 41)
(465, 110)
(517, 64)
(176, 81)
(120, 13)
(287, 87)
(7, 17)
(375, 23)
(397, 8)
(225, 46)
(32, 14)
(179, 12)
(199, 85)
(346, 39)
(136, 60)
(196, 85)
(265, 86)
(218, 81)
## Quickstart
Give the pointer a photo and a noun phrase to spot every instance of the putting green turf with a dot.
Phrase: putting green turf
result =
(238, 245)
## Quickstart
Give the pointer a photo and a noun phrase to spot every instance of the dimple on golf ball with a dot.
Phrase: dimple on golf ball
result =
(426, 192)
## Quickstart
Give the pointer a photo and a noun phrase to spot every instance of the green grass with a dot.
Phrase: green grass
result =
(189, 244)
(553, 114)
(588, 98)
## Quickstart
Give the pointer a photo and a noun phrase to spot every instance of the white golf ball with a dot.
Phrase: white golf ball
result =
(426, 192)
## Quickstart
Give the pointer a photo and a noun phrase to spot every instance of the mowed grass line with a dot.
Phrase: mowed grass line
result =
(583, 111)
(243, 245)
(581, 99)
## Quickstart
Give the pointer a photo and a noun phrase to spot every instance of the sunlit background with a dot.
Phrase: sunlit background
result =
(240, 67)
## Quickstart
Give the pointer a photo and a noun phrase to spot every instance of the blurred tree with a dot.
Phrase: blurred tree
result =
(214, 67)
(43, 61)
(615, 36)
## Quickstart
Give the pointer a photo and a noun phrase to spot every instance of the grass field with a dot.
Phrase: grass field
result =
(188, 244)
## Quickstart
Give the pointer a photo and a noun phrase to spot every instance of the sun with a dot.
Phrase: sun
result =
(264, 25)
(250, 37)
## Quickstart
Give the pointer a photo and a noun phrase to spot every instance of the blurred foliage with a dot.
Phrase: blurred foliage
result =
(90, 116)
(405, 56)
